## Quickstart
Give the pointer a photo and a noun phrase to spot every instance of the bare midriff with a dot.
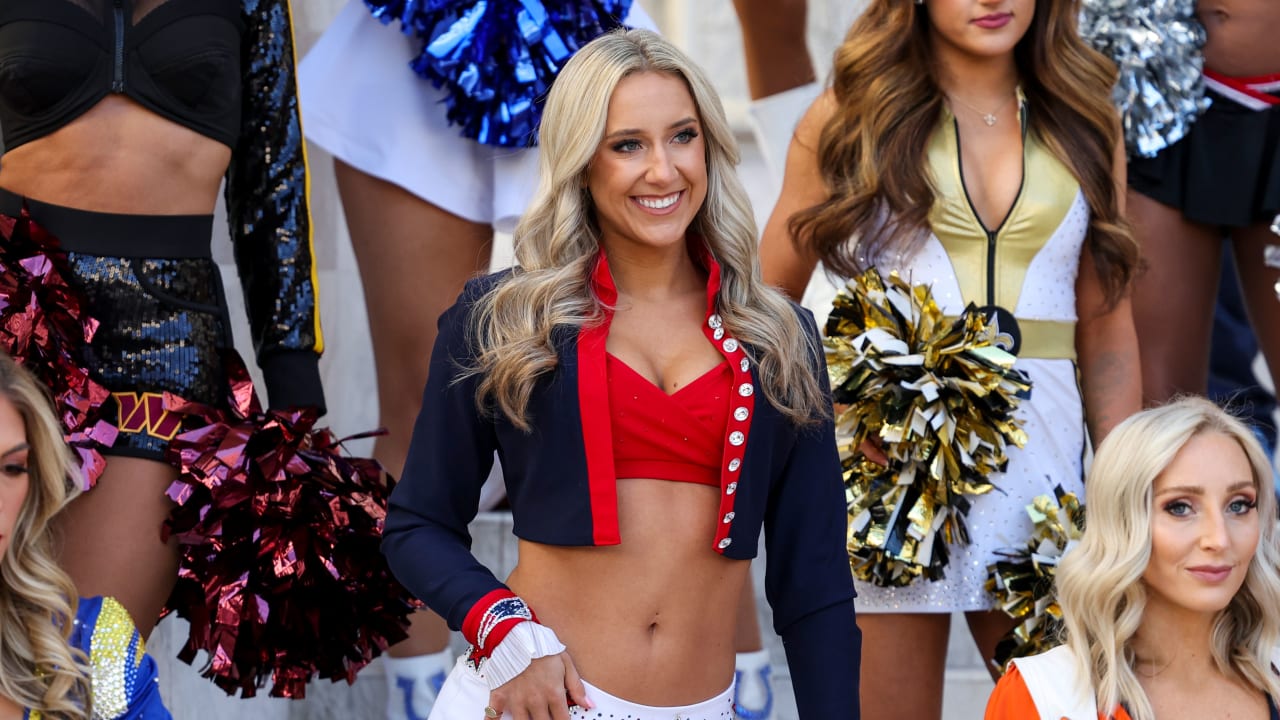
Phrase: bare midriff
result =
(120, 157)
(1241, 36)
(650, 620)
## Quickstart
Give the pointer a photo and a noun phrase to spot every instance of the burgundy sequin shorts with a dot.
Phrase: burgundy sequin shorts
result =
(151, 282)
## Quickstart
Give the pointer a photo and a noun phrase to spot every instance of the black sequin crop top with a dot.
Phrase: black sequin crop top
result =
(178, 58)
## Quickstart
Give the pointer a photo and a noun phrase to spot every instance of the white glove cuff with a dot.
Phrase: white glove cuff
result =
(525, 643)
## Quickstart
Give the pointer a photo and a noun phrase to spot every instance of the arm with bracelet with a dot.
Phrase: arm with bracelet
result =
(451, 455)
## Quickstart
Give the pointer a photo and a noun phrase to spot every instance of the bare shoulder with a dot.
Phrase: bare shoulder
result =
(811, 124)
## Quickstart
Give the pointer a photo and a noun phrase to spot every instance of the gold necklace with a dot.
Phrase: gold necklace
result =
(987, 117)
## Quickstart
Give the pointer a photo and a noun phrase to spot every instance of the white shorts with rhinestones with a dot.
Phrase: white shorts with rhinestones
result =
(465, 695)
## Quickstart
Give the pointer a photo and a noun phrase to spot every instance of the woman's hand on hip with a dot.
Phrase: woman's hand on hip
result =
(544, 691)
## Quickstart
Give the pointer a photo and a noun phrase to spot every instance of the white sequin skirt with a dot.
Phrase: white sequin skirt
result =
(465, 695)
(998, 520)
(364, 105)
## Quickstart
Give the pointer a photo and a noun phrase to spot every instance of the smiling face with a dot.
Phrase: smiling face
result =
(979, 28)
(14, 478)
(648, 177)
(1204, 526)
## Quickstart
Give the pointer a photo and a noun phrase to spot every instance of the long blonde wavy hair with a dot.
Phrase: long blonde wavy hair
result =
(872, 152)
(38, 667)
(1099, 583)
(557, 242)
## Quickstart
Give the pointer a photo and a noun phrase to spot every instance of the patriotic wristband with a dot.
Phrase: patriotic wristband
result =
(491, 618)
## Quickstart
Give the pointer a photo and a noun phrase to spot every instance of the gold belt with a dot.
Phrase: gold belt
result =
(1046, 339)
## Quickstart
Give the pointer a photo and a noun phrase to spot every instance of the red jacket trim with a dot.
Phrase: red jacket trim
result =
(593, 405)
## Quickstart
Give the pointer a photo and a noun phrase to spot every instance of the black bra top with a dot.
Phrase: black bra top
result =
(178, 58)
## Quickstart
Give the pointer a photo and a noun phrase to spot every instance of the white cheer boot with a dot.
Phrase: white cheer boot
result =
(413, 683)
(753, 689)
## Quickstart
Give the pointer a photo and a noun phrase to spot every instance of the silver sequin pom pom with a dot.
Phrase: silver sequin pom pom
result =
(1156, 46)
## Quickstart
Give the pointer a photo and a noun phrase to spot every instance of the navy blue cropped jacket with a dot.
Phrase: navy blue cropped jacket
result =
(560, 483)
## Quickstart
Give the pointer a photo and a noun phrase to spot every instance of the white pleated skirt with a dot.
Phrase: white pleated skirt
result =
(363, 104)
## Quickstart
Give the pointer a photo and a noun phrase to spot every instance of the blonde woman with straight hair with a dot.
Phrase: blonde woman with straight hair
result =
(1170, 598)
(654, 406)
(60, 657)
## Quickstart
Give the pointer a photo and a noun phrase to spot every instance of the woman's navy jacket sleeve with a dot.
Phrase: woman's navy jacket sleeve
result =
(425, 539)
(808, 581)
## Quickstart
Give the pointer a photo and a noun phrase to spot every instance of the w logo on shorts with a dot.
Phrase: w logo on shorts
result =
(145, 413)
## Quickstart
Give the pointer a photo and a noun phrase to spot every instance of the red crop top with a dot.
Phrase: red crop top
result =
(676, 437)
(594, 403)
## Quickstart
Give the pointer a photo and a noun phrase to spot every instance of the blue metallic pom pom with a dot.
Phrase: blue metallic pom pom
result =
(496, 59)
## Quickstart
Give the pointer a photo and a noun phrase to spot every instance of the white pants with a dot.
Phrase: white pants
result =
(465, 696)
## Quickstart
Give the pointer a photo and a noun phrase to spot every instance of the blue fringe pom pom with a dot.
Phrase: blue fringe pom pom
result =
(496, 59)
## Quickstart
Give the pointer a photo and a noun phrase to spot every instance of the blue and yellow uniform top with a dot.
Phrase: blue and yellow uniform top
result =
(124, 681)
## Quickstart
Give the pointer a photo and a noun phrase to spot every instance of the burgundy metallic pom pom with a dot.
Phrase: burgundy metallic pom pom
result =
(45, 326)
(281, 575)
